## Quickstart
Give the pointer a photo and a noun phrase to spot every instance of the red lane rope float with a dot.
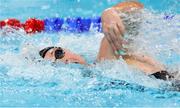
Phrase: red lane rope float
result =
(33, 25)
(12, 23)
(2, 24)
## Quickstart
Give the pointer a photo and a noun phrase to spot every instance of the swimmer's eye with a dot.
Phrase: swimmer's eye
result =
(59, 53)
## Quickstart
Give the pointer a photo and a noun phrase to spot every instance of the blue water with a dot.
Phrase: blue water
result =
(27, 80)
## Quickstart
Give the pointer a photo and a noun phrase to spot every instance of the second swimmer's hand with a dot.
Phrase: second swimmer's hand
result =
(113, 28)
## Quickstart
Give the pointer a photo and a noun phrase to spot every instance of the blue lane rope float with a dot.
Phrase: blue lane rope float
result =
(169, 17)
(53, 24)
(77, 24)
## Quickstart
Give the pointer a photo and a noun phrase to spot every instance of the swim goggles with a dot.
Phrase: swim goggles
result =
(58, 53)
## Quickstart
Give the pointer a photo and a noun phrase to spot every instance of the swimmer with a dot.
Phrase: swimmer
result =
(58, 54)
(115, 26)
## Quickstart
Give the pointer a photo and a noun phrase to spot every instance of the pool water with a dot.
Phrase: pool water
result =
(27, 80)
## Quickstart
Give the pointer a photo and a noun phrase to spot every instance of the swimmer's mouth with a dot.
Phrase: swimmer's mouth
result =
(73, 61)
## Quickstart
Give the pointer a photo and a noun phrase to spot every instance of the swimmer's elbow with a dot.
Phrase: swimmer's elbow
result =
(128, 5)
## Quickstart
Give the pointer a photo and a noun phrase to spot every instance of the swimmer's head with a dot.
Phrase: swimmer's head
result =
(60, 54)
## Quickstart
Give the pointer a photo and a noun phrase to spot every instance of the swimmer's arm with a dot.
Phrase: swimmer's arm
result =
(105, 52)
(113, 28)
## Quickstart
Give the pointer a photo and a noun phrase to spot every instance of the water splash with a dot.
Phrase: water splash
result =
(25, 72)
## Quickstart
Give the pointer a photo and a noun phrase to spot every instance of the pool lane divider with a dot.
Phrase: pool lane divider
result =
(76, 24)
(33, 25)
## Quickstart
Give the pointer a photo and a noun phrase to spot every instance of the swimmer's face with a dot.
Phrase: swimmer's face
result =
(63, 55)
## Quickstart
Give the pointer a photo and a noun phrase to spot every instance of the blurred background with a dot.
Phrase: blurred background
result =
(23, 9)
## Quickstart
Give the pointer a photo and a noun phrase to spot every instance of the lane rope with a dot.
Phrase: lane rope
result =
(76, 24)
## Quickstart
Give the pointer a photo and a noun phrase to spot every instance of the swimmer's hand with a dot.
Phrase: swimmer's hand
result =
(113, 28)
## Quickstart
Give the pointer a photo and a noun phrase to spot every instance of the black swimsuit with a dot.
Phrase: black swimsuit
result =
(164, 75)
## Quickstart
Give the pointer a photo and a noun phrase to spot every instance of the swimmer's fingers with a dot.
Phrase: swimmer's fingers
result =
(116, 39)
(108, 37)
(121, 28)
(110, 41)
(114, 44)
